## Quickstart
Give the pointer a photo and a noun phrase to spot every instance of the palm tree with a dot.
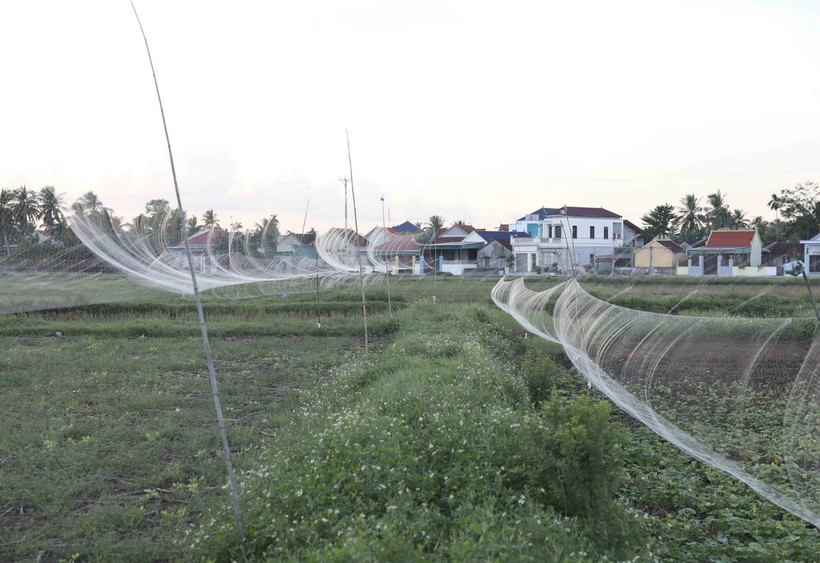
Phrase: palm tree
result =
(718, 215)
(428, 235)
(6, 217)
(775, 203)
(51, 212)
(88, 203)
(739, 220)
(192, 226)
(209, 218)
(25, 208)
(267, 233)
(436, 223)
(140, 224)
(690, 217)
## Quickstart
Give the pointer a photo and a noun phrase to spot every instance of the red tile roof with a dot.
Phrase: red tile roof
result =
(404, 242)
(731, 238)
(205, 236)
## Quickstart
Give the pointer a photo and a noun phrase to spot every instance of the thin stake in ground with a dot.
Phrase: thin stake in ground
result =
(358, 250)
(212, 372)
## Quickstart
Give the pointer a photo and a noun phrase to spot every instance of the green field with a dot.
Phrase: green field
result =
(456, 438)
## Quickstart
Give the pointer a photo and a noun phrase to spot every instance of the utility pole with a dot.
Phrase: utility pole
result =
(345, 180)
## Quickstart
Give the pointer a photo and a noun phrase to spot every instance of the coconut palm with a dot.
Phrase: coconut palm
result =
(88, 203)
(428, 235)
(192, 225)
(6, 217)
(51, 213)
(141, 224)
(718, 214)
(436, 222)
(690, 217)
(267, 233)
(739, 220)
(25, 208)
(209, 218)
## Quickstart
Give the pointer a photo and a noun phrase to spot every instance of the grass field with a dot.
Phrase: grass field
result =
(109, 448)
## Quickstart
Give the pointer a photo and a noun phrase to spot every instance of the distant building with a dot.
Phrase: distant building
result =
(811, 255)
(568, 239)
(660, 254)
(729, 253)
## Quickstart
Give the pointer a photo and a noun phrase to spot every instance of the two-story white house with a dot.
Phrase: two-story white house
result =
(568, 239)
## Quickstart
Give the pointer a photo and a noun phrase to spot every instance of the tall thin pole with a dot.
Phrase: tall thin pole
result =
(212, 372)
(386, 268)
(304, 222)
(813, 302)
(358, 250)
(345, 180)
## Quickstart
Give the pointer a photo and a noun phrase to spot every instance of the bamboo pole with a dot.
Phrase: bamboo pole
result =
(212, 372)
(358, 250)
(386, 268)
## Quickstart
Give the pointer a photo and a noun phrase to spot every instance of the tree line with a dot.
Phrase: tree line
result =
(23, 211)
(797, 216)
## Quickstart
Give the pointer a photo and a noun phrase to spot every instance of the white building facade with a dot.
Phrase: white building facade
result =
(567, 239)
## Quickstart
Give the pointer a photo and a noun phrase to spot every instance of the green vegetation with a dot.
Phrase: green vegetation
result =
(456, 438)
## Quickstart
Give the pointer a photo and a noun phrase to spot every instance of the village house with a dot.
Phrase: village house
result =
(204, 246)
(811, 255)
(568, 239)
(659, 255)
(728, 253)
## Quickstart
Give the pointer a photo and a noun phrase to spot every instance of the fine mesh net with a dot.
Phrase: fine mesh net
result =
(94, 256)
(698, 382)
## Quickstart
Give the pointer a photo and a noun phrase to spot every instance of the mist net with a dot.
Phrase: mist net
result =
(698, 382)
(94, 257)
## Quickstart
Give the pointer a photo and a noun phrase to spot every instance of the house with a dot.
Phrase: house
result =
(399, 254)
(379, 235)
(406, 228)
(729, 253)
(342, 249)
(779, 253)
(660, 256)
(454, 250)
(632, 235)
(811, 255)
(44, 237)
(567, 239)
(205, 250)
(494, 256)
(531, 222)
(297, 250)
(291, 241)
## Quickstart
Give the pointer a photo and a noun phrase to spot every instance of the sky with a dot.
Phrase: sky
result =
(471, 110)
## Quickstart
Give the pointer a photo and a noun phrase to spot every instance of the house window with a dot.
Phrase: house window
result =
(606, 232)
(575, 231)
(550, 231)
(557, 231)
(591, 232)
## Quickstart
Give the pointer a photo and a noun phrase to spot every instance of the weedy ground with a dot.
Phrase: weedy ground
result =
(456, 438)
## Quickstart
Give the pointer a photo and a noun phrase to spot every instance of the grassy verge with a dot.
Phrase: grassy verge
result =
(433, 449)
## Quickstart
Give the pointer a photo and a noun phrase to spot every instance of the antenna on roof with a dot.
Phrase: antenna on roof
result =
(345, 180)
(305, 220)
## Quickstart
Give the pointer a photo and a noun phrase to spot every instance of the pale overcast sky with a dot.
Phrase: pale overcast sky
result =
(479, 111)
